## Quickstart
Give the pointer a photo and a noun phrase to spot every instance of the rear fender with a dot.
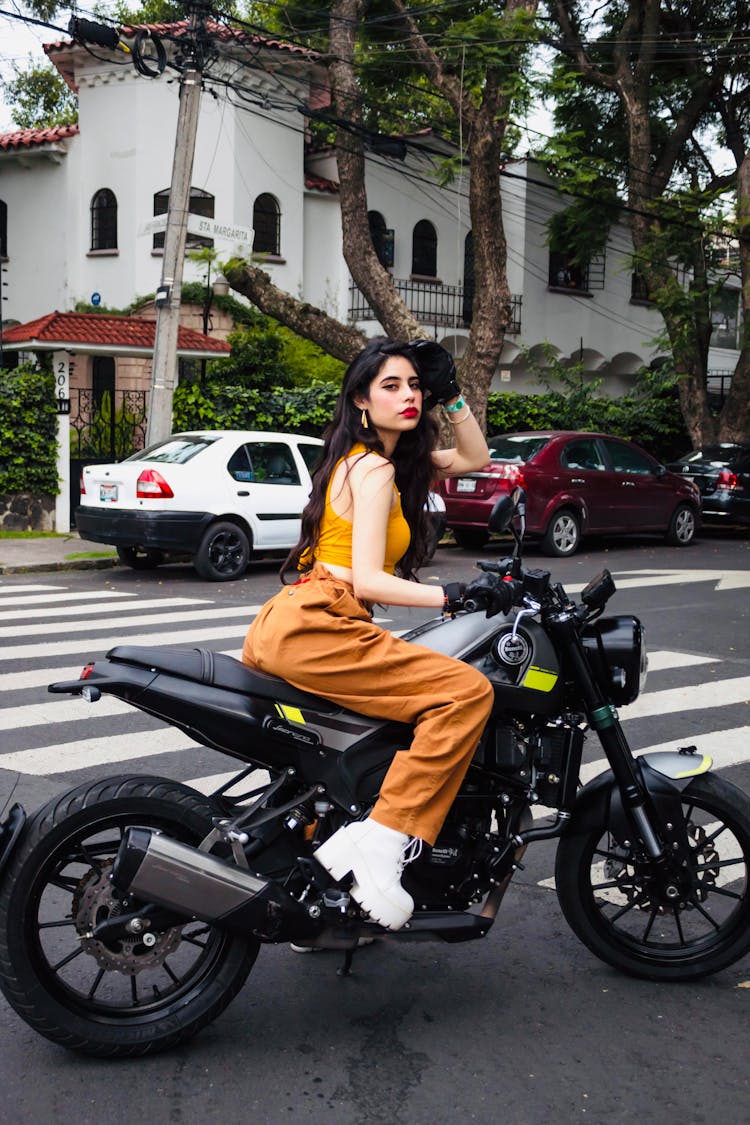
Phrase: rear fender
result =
(665, 775)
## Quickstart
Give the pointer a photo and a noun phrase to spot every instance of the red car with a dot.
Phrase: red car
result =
(576, 483)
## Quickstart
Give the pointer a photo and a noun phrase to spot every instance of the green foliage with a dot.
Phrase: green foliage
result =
(299, 410)
(39, 98)
(28, 431)
(649, 415)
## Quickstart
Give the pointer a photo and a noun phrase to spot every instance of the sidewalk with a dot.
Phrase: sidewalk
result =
(60, 552)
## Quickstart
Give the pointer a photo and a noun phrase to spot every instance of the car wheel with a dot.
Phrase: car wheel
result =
(140, 558)
(470, 538)
(563, 534)
(682, 526)
(223, 553)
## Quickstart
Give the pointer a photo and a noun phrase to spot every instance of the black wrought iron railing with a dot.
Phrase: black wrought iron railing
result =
(717, 384)
(111, 425)
(445, 306)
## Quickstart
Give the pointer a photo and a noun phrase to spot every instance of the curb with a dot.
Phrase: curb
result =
(72, 564)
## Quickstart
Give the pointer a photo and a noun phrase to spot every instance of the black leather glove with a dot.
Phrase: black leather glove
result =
(437, 372)
(493, 594)
(454, 597)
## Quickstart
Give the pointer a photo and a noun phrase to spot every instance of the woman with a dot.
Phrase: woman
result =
(364, 534)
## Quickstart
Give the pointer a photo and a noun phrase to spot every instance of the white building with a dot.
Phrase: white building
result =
(74, 203)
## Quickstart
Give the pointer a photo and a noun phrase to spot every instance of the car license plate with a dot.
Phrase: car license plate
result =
(466, 484)
(107, 493)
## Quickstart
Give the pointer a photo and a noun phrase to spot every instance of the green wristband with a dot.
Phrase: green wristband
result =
(459, 404)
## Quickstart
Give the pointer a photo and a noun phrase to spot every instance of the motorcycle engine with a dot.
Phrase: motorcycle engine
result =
(443, 874)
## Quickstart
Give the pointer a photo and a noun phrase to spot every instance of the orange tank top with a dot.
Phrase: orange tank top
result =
(335, 536)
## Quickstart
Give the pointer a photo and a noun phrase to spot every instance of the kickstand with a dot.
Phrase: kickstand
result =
(346, 968)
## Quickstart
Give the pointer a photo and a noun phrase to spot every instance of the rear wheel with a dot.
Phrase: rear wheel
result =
(682, 526)
(613, 900)
(224, 552)
(129, 996)
(470, 538)
(563, 534)
(140, 558)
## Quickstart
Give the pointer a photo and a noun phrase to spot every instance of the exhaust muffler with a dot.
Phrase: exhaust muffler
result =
(156, 868)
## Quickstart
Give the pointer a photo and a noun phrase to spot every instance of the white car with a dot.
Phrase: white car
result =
(220, 496)
(217, 495)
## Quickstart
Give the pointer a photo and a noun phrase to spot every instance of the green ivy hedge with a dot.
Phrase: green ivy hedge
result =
(28, 432)
(651, 418)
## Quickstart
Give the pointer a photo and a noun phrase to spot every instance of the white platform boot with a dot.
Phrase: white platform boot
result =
(375, 855)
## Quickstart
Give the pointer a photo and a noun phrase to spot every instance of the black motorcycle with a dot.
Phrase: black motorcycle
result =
(132, 908)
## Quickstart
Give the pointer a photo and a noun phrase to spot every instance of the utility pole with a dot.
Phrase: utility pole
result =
(164, 363)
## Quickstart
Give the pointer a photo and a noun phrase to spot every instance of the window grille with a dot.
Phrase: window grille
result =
(383, 239)
(3, 229)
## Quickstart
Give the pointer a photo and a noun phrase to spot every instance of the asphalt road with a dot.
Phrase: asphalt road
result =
(524, 1027)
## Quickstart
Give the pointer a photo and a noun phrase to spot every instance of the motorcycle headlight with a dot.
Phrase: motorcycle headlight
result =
(616, 651)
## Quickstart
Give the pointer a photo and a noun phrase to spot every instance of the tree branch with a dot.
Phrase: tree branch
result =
(303, 318)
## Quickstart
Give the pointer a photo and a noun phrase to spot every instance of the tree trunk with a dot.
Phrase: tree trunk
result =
(372, 278)
(734, 422)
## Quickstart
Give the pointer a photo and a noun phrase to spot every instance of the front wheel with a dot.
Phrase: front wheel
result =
(223, 553)
(615, 907)
(125, 997)
(563, 534)
(682, 526)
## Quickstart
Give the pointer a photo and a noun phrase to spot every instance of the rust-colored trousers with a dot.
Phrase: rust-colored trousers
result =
(320, 638)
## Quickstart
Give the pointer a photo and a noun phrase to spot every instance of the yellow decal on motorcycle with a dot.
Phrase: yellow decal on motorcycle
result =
(702, 767)
(291, 714)
(539, 679)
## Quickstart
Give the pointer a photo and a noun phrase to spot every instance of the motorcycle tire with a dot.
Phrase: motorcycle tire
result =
(604, 893)
(129, 997)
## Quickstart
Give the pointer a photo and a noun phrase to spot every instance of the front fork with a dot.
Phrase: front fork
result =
(602, 717)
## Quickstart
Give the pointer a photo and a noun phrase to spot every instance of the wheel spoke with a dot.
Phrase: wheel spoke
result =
(678, 923)
(54, 925)
(710, 839)
(629, 906)
(649, 924)
(711, 865)
(96, 982)
(134, 990)
(621, 883)
(66, 960)
(712, 890)
(706, 915)
(172, 976)
(64, 883)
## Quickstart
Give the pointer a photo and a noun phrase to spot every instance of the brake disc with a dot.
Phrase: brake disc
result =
(94, 902)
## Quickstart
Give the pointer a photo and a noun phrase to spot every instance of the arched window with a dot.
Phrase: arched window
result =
(424, 249)
(3, 229)
(104, 220)
(267, 225)
(382, 238)
(201, 203)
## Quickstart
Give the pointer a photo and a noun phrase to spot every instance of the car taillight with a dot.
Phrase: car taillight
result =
(512, 474)
(726, 479)
(152, 485)
(82, 485)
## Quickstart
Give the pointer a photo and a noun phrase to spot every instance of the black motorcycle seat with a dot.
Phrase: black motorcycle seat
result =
(218, 670)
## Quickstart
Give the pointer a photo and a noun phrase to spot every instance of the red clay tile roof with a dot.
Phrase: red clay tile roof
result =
(217, 30)
(318, 183)
(29, 138)
(103, 330)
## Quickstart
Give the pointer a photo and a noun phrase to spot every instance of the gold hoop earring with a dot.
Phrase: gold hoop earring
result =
(365, 423)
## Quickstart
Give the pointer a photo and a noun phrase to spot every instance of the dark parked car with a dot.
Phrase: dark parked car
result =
(722, 474)
(576, 483)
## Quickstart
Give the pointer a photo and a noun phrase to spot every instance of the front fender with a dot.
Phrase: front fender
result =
(599, 804)
(10, 830)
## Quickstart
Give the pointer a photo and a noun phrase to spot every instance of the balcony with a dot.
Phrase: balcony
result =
(431, 302)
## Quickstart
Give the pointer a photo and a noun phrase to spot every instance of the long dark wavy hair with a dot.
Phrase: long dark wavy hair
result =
(411, 460)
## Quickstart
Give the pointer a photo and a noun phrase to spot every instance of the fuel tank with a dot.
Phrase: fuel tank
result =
(523, 669)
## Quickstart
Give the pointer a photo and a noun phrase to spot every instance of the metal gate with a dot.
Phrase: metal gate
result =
(104, 426)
